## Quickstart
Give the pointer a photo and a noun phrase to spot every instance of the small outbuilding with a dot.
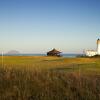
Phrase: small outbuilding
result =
(54, 52)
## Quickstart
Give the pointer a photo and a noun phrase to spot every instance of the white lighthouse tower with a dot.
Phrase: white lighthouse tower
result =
(98, 46)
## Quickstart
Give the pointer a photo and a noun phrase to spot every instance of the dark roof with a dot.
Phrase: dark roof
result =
(54, 51)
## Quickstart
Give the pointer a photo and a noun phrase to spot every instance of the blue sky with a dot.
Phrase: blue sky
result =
(36, 26)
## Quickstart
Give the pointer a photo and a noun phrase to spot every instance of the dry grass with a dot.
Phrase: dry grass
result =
(49, 78)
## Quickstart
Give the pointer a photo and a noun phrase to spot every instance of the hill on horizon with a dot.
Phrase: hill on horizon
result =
(11, 52)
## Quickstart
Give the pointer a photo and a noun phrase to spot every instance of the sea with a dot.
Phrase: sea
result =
(63, 55)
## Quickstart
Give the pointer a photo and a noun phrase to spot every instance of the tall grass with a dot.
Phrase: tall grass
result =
(19, 81)
(47, 85)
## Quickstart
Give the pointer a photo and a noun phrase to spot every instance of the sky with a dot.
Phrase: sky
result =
(37, 26)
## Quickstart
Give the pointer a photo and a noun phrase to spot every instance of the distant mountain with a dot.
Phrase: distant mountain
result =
(13, 52)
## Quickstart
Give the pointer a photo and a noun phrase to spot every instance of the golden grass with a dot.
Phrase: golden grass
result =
(49, 78)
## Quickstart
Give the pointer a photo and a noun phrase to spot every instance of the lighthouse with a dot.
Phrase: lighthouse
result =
(91, 53)
(98, 46)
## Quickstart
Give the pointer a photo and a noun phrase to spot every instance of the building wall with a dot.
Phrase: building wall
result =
(90, 53)
(98, 47)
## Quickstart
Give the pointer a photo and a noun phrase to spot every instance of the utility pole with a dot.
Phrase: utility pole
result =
(2, 59)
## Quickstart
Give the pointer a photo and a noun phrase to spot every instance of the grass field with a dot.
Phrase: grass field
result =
(49, 78)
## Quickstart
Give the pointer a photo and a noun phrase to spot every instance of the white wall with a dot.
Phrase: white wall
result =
(90, 53)
(98, 48)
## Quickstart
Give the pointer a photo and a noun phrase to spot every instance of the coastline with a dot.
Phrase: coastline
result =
(63, 55)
